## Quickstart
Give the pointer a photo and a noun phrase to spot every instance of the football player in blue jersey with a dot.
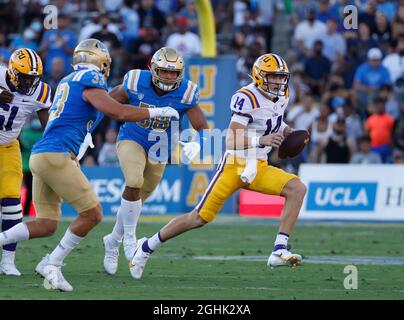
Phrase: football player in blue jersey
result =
(164, 84)
(56, 172)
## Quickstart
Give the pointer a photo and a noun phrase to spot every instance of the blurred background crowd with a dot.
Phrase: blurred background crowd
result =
(346, 87)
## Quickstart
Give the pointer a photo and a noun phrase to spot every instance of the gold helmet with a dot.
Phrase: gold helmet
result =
(167, 59)
(93, 51)
(25, 70)
(270, 69)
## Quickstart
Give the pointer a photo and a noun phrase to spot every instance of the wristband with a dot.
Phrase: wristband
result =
(255, 142)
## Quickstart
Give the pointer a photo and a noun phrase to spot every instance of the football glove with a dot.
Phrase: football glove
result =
(88, 142)
(163, 112)
(5, 95)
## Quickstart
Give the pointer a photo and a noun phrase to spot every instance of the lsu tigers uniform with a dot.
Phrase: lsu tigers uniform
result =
(12, 119)
(261, 116)
(56, 172)
(151, 139)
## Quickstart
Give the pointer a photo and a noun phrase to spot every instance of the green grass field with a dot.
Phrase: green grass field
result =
(227, 260)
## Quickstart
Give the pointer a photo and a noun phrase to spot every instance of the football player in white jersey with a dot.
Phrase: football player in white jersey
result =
(21, 94)
(256, 126)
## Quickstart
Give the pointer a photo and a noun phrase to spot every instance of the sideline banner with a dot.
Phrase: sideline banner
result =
(353, 192)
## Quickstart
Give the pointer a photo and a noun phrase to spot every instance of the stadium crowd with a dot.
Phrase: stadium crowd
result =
(346, 86)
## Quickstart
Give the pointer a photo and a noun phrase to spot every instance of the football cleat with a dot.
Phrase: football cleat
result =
(54, 278)
(111, 256)
(39, 269)
(138, 262)
(9, 269)
(284, 257)
(129, 245)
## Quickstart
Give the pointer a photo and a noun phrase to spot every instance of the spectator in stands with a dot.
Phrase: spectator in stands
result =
(297, 84)
(394, 62)
(317, 69)
(334, 43)
(369, 16)
(265, 20)
(387, 8)
(5, 53)
(379, 126)
(337, 9)
(301, 117)
(398, 130)
(27, 40)
(189, 11)
(130, 23)
(354, 125)
(324, 12)
(108, 156)
(307, 32)
(382, 33)
(112, 42)
(361, 44)
(142, 50)
(338, 148)
(109, 6)
(320, 131)
(369, 77)
(398, 156)
(150, 16)
(89, 161)
(241, 14)
(301, 10)
(246, 61)
(56, 74)
(386, 93)
(365, 155)
(397, 26)
(58, 43)
(184, 41)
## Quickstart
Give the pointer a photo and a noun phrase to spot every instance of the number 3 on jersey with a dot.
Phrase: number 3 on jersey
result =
(60, 99)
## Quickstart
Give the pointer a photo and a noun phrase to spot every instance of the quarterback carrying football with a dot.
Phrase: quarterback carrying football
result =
(256, 126)
(22, 93)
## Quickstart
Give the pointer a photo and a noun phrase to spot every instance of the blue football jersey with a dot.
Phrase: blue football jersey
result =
(70, 117)
(139, 87)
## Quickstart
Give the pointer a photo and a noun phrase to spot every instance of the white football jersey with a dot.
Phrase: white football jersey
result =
(260, 115)
(13, 115)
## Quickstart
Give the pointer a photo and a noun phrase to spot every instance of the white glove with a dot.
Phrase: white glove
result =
(190, 149)
(250, 171)
(163, 112)
(88, 142)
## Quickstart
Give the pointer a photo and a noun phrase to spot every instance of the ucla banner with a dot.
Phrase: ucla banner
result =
(182, 185)
(353, 192)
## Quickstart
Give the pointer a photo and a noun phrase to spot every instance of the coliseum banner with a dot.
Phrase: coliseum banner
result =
(353, 192)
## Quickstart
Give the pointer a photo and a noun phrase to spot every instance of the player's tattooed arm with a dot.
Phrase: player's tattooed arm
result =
(43, 116)
(119, 94)
(197, 118)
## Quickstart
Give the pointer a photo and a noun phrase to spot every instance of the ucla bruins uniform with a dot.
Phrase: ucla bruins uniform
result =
(55, 170)
(261, 116)
(150, 139)
(12, 119)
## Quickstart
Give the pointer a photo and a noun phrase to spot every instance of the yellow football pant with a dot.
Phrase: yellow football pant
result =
(269, 180)
(10, 170)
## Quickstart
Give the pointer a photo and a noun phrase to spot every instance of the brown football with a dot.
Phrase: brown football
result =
(293, 144)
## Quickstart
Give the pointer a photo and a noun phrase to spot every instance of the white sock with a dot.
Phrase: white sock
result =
(8, 256)
(65, 246)
(117, 232)
(154, 242)
(281, 241)
(16, 234)
(130, 211)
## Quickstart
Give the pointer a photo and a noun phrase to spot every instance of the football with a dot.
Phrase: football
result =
(293, 144)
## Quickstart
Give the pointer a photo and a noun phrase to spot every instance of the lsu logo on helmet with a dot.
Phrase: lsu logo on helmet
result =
(270, 74)
(25, 70)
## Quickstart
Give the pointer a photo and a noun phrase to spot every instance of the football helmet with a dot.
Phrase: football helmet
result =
(94, 52)
(167, 59)
(25, 70)
(270, 70)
